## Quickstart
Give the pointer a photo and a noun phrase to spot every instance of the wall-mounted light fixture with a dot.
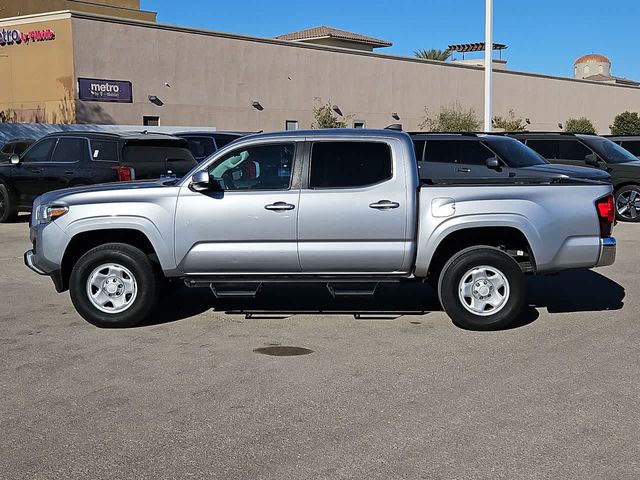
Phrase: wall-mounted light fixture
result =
(155, 100)
(395, 116)
(336, 109)
(257, 105)
(528, 121)
(560, 126)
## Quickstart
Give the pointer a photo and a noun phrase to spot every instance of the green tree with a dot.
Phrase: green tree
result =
(433, 54)
(451, 118)
(511, 123)
(324, 117)
(626, 123)
(579, 125)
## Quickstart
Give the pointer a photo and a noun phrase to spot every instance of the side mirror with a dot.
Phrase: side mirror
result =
(493, 163)
(15, 159)
(202, 182)
(592, 159)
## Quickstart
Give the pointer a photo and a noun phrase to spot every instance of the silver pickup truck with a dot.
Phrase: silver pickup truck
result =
(333, 206)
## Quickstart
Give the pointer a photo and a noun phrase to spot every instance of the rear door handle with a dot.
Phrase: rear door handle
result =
(279, 206)
(384, 205)
(36, 170)
(68, 172)
(464, 170)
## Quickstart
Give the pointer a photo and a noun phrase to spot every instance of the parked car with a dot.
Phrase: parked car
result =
(330, 206)
(628, 142)
(14, 147)
(457, 156)
(67, 159)
(595, 152)
(204, 144)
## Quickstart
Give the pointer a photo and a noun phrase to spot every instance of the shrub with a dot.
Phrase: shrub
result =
(626, 123)
(579, 125)
(324, 117)
(510, 124)
(452, 118)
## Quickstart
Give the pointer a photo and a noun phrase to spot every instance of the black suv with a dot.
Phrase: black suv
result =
(628, 142)
(203, 144)
(597, 153)
(456, 156)
(68, 159)
(14, 147)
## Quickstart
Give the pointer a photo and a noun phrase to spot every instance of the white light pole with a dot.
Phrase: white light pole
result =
(488, 66)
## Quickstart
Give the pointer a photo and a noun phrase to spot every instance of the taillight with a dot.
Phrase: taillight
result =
(606, 214)
(125, 174)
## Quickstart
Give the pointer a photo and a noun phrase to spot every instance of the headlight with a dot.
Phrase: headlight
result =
(48, 213)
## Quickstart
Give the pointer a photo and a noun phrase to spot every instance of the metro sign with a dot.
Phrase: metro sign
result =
(11, 37)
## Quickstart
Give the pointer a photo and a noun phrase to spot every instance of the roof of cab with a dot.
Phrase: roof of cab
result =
(330, 132)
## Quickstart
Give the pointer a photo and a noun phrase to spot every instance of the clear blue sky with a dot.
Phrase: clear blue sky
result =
(544, 36)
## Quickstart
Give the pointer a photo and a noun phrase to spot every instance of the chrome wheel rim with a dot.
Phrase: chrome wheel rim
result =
(112, 288)
(484, 290)
(628, 204)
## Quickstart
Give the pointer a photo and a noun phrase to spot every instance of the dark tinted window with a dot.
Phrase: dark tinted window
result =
(201, 147)
(264, 167)
(633, 147)
(572, 150)
(152, 161)
(473, 152)
(418, 146)
(546, 148)
(8, 148)
(104, 150)
(349, 164)
(70, 150)
(609, 151)
(41, 151)
(445, 151)
(223, 140)
(21, 147)
(514, 153)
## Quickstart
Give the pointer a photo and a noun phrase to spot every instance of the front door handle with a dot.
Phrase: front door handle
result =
(279, 206)
(464, 170)
(68, 172)
(384, 205)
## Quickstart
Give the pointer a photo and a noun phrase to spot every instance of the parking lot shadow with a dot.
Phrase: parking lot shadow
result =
(575, 291)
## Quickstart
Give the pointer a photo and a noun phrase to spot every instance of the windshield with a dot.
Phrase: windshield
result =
(513, 152)
(610, 151)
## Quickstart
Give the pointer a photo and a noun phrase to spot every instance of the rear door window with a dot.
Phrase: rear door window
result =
(572, 150)
(633, 147)
(70, 150)
(104, 150)
(546, 148)
(473, 153)
(443, 151)
(349, 164)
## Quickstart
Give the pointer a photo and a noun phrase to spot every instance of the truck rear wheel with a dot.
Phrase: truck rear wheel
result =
(482, 289)
(114, 285)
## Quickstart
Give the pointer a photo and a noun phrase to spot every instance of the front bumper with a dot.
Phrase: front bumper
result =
(56, 275)
(607, 252)
(28, 261)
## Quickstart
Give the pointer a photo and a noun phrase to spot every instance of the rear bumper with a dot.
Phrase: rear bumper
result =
(607, 252)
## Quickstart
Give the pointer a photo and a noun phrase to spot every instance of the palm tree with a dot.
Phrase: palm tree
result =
(433, 54)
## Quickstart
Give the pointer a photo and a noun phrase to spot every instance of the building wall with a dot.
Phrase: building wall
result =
(37, 81)
(119, 8)
(214, 78)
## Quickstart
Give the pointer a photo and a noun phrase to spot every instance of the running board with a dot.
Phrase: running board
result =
(207, 280)
(231, 291)
(352, 290)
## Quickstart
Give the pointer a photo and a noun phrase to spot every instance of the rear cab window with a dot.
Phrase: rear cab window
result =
(336, 164)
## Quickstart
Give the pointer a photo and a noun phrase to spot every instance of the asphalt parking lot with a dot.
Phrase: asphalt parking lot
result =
(383, 396)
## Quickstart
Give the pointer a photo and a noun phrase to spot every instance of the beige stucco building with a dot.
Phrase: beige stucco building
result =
(181, 76)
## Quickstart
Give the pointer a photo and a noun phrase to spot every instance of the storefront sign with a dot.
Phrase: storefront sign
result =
(104, 90)
(16, 37)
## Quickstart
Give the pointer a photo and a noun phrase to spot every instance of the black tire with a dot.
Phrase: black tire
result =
(513, 292)
(623, 198)
(138, 265)
(8, 209)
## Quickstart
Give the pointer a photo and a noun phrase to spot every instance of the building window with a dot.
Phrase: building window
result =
(291, 125)
(358, 123)
(600, 68)
(587, 69)
(150, 121)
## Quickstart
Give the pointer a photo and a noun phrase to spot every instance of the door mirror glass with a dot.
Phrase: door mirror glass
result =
(15, 159)
(493, 163)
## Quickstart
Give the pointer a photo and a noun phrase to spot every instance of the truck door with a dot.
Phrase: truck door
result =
(353, 209)
(472, 161)
(249, 226)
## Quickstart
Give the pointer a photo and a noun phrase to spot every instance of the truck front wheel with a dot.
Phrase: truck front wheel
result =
(114, 285)
(482, 289)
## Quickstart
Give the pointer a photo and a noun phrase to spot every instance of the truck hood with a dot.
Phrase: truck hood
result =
(572, 171)
(117, 191)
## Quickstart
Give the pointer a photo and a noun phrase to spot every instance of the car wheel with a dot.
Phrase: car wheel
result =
(114, 285)
(628, 203)
(8, 210)
(482, 289)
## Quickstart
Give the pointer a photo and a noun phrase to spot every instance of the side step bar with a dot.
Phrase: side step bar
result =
(230, 291)
(352, 290)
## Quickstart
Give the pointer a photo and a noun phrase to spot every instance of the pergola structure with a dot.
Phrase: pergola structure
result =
(475, 47)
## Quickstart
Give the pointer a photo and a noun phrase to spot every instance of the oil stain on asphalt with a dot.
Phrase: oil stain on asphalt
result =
(282, 351)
